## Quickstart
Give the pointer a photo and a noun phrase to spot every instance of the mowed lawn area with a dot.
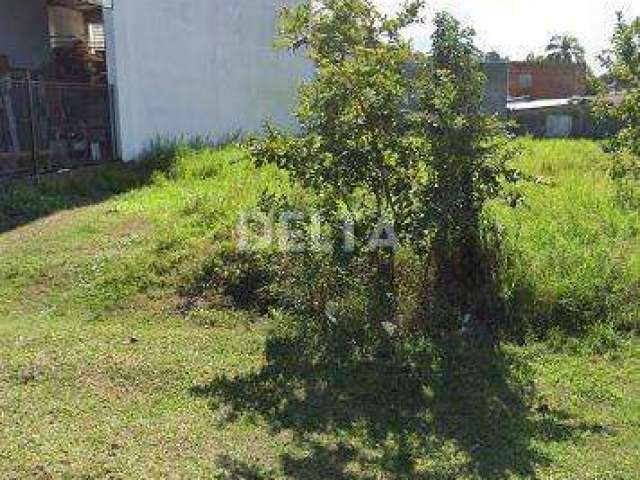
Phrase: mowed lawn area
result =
(110, 369)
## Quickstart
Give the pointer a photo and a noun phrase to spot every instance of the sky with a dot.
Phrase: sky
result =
(515, 28)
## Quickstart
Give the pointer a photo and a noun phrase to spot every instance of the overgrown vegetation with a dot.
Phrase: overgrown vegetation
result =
(21, 202)
(142, 335)
(573, 249)
(135, 343)
(623, 62)
(397, 143)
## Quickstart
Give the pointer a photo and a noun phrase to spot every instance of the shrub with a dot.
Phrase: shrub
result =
(398, 141)
(625, 171)
(624, 65)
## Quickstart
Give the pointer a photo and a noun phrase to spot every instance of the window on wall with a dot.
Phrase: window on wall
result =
(525, 81)
(559, 125)
(96, 37)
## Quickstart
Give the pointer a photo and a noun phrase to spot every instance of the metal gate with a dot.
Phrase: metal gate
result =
(47, 126)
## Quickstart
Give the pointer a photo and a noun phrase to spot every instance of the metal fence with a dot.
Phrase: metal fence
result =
(47, 126)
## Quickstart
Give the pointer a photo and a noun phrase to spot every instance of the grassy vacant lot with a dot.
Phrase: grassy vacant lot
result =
(107, 369)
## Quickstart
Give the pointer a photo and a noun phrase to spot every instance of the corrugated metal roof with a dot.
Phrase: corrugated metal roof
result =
(546, 103)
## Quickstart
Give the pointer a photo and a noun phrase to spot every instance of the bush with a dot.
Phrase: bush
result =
(625, 172)
(398, 141)
(624, 65)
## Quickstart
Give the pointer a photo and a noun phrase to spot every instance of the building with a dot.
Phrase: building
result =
(554, 118)
(166, 68)
(547, 80)
(54, 103)
(549, 99)
(198, 67)
(31, 30)
(496, 90)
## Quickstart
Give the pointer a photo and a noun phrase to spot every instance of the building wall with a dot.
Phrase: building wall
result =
(197, 67)
(24, 32)
(547, 80)
(496, 87)
(65, 22)
(543, 122)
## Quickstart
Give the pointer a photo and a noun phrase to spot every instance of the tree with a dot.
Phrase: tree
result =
(353, 114)
(624, 63)
(565, 49)
(595, 85)
(398, 134)
(532, 57)
(468, 162)
(358, 147)
(624, 67)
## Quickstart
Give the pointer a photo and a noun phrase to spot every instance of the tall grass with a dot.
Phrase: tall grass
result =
(171, 215)
(192, 206)
(574, 249)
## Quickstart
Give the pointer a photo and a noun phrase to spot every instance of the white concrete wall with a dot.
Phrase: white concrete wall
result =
(198, 67)
(24, 32)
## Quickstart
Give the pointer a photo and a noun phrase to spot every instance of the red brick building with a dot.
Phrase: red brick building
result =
(539, 80)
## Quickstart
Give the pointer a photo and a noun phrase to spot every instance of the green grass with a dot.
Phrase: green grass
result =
(577, 248)
(106, 370)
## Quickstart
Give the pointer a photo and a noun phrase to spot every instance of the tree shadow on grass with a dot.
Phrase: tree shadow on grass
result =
(232, 469)
(22, 201)
(468, 411)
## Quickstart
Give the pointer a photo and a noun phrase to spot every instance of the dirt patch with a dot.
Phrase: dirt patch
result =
(130, 226)
(45, 227)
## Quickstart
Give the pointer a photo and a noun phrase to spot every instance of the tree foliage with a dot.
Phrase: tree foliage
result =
(565, 49)
(596, 85)
(358, 138)
(398, 135)
(624, 65)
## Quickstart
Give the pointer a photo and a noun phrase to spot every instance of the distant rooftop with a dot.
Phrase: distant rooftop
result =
(519, 105)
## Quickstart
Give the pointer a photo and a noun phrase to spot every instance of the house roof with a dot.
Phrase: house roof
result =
(520, 105)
